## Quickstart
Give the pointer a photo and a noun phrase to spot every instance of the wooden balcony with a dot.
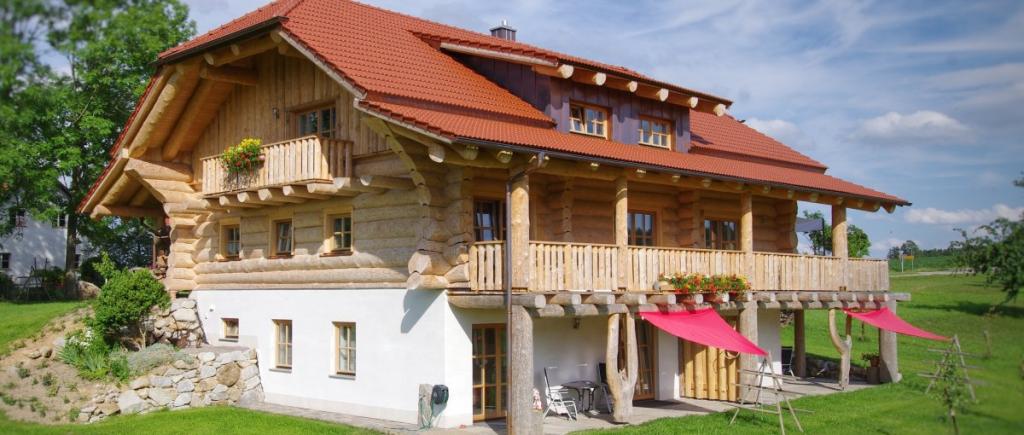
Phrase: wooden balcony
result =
(305, 161)
(555, 266)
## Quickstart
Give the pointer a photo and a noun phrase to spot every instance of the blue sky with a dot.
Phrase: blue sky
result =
(921, 99)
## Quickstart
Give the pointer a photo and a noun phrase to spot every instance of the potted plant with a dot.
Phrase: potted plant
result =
(873, 370)
(712, 287)
(243, 158)
(685, 285)
(737, 286)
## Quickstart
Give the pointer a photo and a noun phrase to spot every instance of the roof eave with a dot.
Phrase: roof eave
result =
(223, 40)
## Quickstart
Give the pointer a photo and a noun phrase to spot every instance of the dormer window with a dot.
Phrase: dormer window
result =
(589, 120)
(655, 132)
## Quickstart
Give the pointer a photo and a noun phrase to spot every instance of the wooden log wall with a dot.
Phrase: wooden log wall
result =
(267, 111)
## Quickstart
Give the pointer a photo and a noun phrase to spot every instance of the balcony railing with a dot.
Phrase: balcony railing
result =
(303, 160)
(555, 266)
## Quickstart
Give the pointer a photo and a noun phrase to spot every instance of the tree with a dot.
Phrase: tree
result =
(858, 243)
(998, 253)
(909, 248)
(894, 253)
(109, 46)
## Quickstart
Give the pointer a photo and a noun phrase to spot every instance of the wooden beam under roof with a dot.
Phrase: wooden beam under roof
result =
(156, 125)
(240, 50)
(201, 110)
(230, 74)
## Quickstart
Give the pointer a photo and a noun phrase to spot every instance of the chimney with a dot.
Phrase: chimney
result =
(504, 31)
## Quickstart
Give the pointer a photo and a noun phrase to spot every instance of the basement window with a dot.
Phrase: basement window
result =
(655, 132)
(345, 348)
(588, 120)
(283, 344)
(230, 329)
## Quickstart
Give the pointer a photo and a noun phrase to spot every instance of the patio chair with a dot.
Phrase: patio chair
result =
(787, 360)
(559, 399)
(602, 382)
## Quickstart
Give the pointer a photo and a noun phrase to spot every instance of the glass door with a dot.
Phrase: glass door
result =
(489, 378)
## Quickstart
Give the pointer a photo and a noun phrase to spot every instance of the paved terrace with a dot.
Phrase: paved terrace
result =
(643, 411)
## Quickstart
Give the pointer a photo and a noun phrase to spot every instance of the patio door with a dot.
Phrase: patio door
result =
(489, 378)
(708, 372)
(646, 353)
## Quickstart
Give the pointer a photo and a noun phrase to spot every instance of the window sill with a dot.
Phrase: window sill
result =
(228, 259)
(583, 133)
(349, 377)
(343, 253)
(279, 256)
(230, 339)
(664, 147)
(281, 369)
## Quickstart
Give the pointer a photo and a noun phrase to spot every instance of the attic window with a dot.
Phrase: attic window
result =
(589, 120)
(655, 132)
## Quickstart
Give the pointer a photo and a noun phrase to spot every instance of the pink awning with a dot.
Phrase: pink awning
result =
(889, 321)
(705, 327)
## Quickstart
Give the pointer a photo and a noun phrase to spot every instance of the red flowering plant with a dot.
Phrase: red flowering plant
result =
(690, 283)
(245, 157)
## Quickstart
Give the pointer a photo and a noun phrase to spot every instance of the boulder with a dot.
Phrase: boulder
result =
(250, 354)
(130, 403)
(162, 396)
(182, 365)
(251, 397)
(189, 374)
(87, 290)
(58, 344)
(142, 382)
(207, 372)
(183, 399)
(108, 408)
(234, 394)
(228, 374)
(185, 316)
(143, 393)
(160, 381)
(206, 357)
(207, 384)
(219, 393)
(173, 371)
(253, 382)
(186, 386)
(249, 372)
(188, 304)
(35, 354)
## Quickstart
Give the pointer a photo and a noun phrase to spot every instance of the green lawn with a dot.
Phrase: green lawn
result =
(215, 420)
(943, 304)
(23, 320)
(923, 263)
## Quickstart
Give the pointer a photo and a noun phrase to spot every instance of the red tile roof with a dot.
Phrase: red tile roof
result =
(724, 135)
(393, 59)
(463, 126)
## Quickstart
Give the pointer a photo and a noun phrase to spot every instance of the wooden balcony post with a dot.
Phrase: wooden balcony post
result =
(839, 244)
(519, 224)
(799, 344)
(748, 362)
(887, 352)
(747, 232)
(622, 229)
(521, 417)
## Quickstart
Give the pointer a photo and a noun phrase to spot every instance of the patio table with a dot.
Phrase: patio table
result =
(583, 387)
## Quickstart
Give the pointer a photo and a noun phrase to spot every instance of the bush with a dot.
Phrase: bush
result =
(87, 353)
(154, 356)
(125, 300)
(6, 286)
(89, 270)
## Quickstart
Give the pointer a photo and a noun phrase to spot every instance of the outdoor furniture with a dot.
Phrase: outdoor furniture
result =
(602, 376)
(559, 399)
(582, 388)
(787, 360)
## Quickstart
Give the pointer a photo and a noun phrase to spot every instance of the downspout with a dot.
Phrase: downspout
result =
(507, 269)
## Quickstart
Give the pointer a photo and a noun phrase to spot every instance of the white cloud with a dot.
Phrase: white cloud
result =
(782, 131)
(923, 125)
(932, 215)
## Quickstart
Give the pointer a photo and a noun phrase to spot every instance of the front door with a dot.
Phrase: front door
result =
(489, 379)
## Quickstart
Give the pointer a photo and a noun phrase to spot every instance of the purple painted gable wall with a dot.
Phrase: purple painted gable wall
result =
(553, 96)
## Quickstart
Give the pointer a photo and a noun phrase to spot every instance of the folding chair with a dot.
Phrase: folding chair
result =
(559, 399)
(787, 360)
(602, 382)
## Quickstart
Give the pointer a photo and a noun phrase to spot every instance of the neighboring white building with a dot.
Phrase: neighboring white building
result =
(34, 244)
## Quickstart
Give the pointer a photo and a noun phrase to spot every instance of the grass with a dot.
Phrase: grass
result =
(213, 420)
(25, 319)
(18, 321)
(944, 304)
(923, 263)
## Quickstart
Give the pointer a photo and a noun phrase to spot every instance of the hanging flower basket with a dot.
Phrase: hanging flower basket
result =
(244, 158)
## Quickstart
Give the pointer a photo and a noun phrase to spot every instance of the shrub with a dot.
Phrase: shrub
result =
(6, 286)
(119, 368)
(87, 353)
(22, 372)
(125, 300)
(90, 270)
(49, 379)
(154, 356)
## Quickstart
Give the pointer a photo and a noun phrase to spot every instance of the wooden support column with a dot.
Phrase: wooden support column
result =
(521, 417)
(839, 244)
(799, 345)
(887, 352)
(844, 345)
(520, 227)
(622, 228)
(747, 232)
(748, 328)
(621, 381)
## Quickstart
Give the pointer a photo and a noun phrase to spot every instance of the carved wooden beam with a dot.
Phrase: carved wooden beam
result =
(230, 74)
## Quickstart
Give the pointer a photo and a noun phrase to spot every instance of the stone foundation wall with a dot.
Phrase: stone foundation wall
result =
(177, 325)
(215, 377)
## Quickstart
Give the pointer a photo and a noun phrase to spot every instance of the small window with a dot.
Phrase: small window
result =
(720, 234)
(231, 329)
(283, 344)
(320, 121)
(641, 229)
(341, 233)
(655, 132)
(5, 261)
(283, 238)
(488, 220)
(61, 221)
(345, 348)
(231, 241)
(588, 120)
(17, 219)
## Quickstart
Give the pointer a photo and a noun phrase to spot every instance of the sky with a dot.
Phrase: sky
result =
(920, 99)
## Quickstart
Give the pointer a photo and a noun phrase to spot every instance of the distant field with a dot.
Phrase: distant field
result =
(923, 264)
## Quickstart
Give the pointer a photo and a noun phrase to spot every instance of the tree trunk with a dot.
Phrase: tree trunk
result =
(844, 346)
(70, 249)
(621, 382)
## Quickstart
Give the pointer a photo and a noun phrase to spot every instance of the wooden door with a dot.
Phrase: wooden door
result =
(489, 378)
(646, 353)
(708, 372)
